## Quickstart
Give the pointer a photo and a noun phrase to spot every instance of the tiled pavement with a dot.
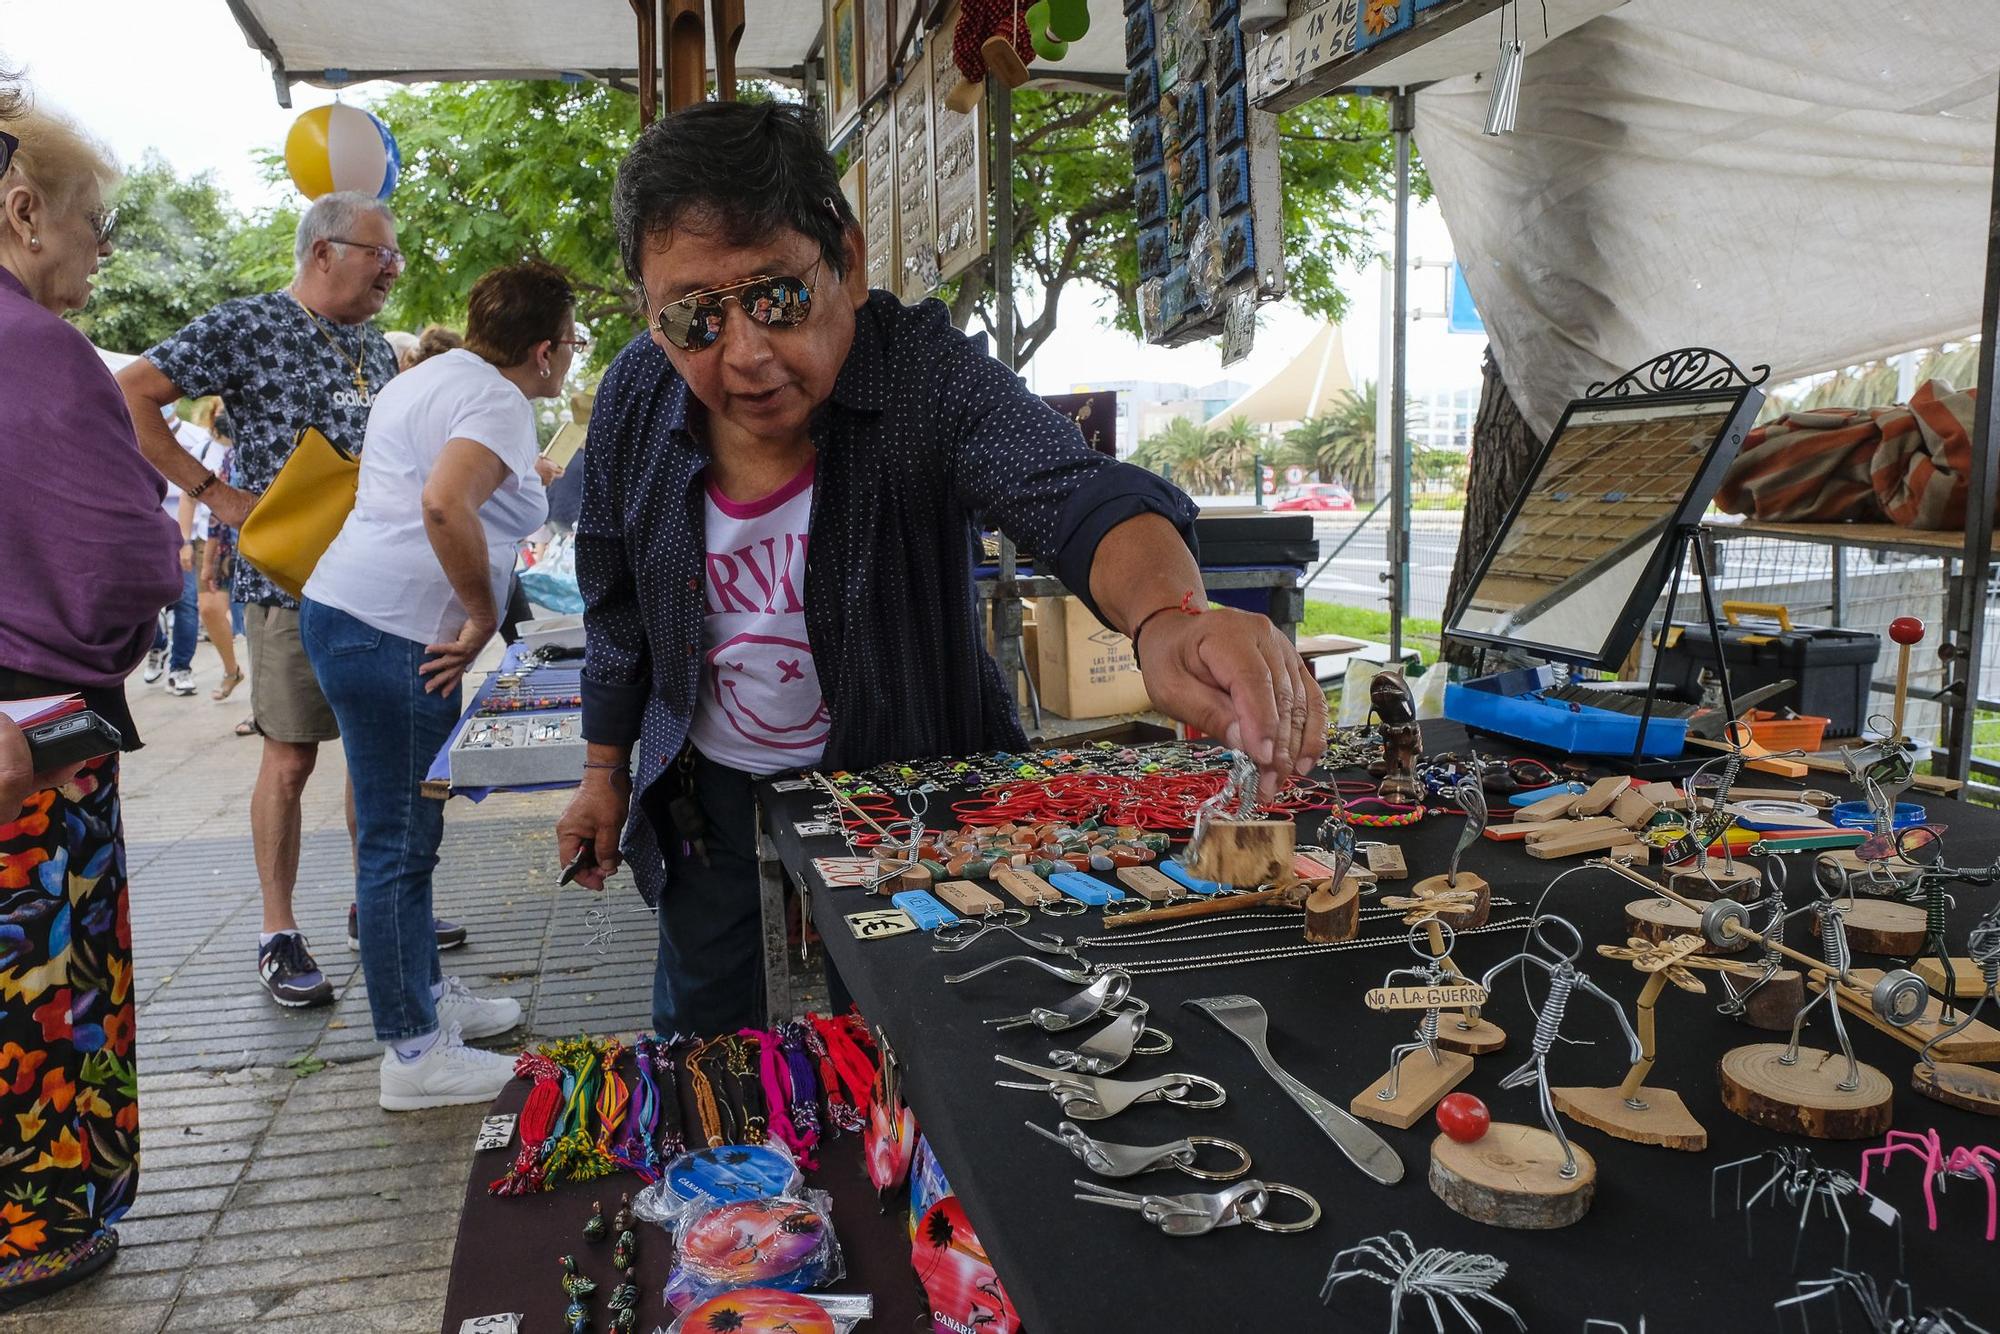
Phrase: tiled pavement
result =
(273, 1192)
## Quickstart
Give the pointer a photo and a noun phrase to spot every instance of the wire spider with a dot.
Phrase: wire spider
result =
(1796, 1178)
(1436, 1275)
(1891, 1312)
(1966, 1163)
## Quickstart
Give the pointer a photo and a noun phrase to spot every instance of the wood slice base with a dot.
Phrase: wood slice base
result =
(1419, 1086)
(1333, 915)
(1660, 921)
(1979, 1041)
(1483, 1038)
(1805, 1098)
(1482, 906)
(1966, 979)
(1244, 853)
(1511, 1177)
(1884, 926)
(1891, 875)
(1971, 1088)
(1665, 1121)
(1721, 880)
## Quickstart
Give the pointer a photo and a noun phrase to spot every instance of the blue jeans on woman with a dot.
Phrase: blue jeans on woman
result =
(186, 615)
(391, 730)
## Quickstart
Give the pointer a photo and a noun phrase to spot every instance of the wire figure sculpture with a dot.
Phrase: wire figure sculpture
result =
(1436, 970)
(1436, 1275)
(1796, 1178)
(1736, 1001)
(1893, 1311)
(1565, 978)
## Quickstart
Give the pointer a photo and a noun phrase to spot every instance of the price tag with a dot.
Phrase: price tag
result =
(880, 923)
(495, 1132)
(812, 828)
(1881, 1211)
(1424, 998)
(509, 1323)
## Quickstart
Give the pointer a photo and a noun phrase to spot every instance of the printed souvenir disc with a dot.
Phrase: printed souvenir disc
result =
(752, 1241)
(731, 1172)
(760, 1311)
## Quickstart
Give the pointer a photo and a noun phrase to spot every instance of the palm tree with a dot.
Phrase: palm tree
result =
(1181, 449)
(1233, 449)
(1340, 444)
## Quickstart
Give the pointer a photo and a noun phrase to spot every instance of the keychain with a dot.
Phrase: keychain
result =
(1086, 889)
(1088, 1098)
(924, 909)
(1130, 1160)
(1031, 891)
(1193, 1215)
(1106, 992)
(1113, 1045)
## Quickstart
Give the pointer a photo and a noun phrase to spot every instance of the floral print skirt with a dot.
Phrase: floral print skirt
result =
(69, 1091)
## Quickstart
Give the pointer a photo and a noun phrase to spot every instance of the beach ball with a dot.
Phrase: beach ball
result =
(339, 147)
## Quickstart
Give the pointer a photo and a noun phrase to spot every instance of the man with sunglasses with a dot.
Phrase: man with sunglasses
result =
(305, 355)
(776, 543)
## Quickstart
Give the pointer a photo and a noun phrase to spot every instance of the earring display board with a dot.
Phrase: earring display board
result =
(959, 142)
(877, 25)
(843, 68)
(878, 194)
(1588, 545)
(916, 225)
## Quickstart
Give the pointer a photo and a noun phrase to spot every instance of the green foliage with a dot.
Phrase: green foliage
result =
(494, 173)
(180, 250)
(1371, 623)
(1074, 219)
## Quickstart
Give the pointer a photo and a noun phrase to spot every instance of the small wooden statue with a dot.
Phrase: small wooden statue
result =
(1401, 741)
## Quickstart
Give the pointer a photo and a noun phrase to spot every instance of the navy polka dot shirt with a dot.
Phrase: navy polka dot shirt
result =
(922, 431)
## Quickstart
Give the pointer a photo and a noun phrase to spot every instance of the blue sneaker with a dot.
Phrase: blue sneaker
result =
(290, 974)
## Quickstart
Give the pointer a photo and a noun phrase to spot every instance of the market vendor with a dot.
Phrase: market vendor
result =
(777, 539)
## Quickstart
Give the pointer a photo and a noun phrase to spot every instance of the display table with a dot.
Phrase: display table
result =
(1648, 1246)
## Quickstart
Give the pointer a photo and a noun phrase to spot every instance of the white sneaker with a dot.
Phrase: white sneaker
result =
(447, 1075)
(182, 681)
(156, 665)
(473, 1016)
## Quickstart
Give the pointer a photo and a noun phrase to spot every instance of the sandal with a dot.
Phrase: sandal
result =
(248, 727)
(230, 681)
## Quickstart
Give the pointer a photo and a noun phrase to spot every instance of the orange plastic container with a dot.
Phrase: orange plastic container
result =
(1774, 733)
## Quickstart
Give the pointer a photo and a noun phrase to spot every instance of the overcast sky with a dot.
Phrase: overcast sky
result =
(179, 77)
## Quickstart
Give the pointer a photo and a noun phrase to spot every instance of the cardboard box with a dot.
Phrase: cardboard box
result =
(1084, 669)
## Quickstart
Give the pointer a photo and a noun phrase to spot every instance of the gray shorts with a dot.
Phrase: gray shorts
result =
(284, 694)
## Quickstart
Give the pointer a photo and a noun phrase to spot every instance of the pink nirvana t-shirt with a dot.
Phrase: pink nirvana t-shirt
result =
(760, 708)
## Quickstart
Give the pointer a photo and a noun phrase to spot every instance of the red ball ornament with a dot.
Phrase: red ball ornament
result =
(1906, 630)
(1463, 1117)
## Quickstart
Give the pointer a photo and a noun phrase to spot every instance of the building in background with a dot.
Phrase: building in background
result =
(1146, 406)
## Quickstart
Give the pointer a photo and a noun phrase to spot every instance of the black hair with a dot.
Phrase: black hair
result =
(747, 170)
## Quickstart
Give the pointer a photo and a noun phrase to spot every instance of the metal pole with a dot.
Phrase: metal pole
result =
(1969, 625)
(1000, 101)
(1401, 115)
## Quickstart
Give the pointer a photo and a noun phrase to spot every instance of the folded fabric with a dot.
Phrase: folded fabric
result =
(1906, 464)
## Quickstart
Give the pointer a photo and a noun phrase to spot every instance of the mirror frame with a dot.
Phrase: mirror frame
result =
(1675, 379)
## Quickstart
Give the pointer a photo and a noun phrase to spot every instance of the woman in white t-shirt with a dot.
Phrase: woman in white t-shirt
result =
(401, 603)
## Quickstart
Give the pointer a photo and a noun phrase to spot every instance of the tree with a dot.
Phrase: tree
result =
(1074, 220)
(1504, 449)
(1183, 450)
(181, 249)
(1235, 448)
(494, 173)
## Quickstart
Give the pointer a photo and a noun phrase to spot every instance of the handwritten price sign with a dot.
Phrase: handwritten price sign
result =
(1425, 998)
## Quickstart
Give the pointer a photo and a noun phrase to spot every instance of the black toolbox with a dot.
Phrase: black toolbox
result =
(1761, 644)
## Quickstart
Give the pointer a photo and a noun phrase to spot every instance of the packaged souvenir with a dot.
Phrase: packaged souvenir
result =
(960, 1287)
(726, 1173)
(770, 1311)
(785, 1243)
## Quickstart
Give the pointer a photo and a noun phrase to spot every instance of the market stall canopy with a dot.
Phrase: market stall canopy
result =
(1800, 185)
(310, 41)
(1310, 385)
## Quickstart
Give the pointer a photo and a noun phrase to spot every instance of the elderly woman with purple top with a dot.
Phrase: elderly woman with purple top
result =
(91, 558)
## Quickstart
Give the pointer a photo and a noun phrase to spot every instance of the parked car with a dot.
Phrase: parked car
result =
(1319, 497)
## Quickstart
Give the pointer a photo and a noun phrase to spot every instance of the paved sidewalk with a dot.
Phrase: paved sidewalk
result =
(273, 1192)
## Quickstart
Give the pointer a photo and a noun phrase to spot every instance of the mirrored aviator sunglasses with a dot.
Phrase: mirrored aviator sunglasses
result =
(694, 323)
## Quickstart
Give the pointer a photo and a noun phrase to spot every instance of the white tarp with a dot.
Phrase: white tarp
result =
(1799, 184)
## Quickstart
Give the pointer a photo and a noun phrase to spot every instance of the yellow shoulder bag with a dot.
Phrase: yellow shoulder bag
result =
(300, 514)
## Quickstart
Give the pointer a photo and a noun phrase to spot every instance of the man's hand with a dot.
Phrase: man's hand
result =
(595, 816)
(448, 662)
(228, 504)
(1233, 675)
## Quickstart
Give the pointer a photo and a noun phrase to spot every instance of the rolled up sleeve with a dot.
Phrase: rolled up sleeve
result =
(1027, 467)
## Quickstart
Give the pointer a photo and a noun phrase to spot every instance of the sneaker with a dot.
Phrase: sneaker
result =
(450, 935)
(156, 665)
(447, 1075)
(181, 681)
(290, 974)
(473, 1016)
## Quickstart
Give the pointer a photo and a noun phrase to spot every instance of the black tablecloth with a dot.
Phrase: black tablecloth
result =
(509, 1251)
(1648, 1245)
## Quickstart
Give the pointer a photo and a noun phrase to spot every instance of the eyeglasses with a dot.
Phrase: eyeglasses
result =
(777, 301)
(578, 341)
(8, 144)
(103, 224)
(385, 255)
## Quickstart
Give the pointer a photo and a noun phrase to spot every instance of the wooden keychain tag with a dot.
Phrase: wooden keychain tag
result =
(1029, 889)
(1149, 883)
(967, 898)
(1386, 861)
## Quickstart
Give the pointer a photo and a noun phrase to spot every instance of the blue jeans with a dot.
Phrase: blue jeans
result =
(186, 616)
(391, 730)
(236, 617)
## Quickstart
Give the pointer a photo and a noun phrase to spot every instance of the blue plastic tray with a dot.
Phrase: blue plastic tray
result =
(1511, 704)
